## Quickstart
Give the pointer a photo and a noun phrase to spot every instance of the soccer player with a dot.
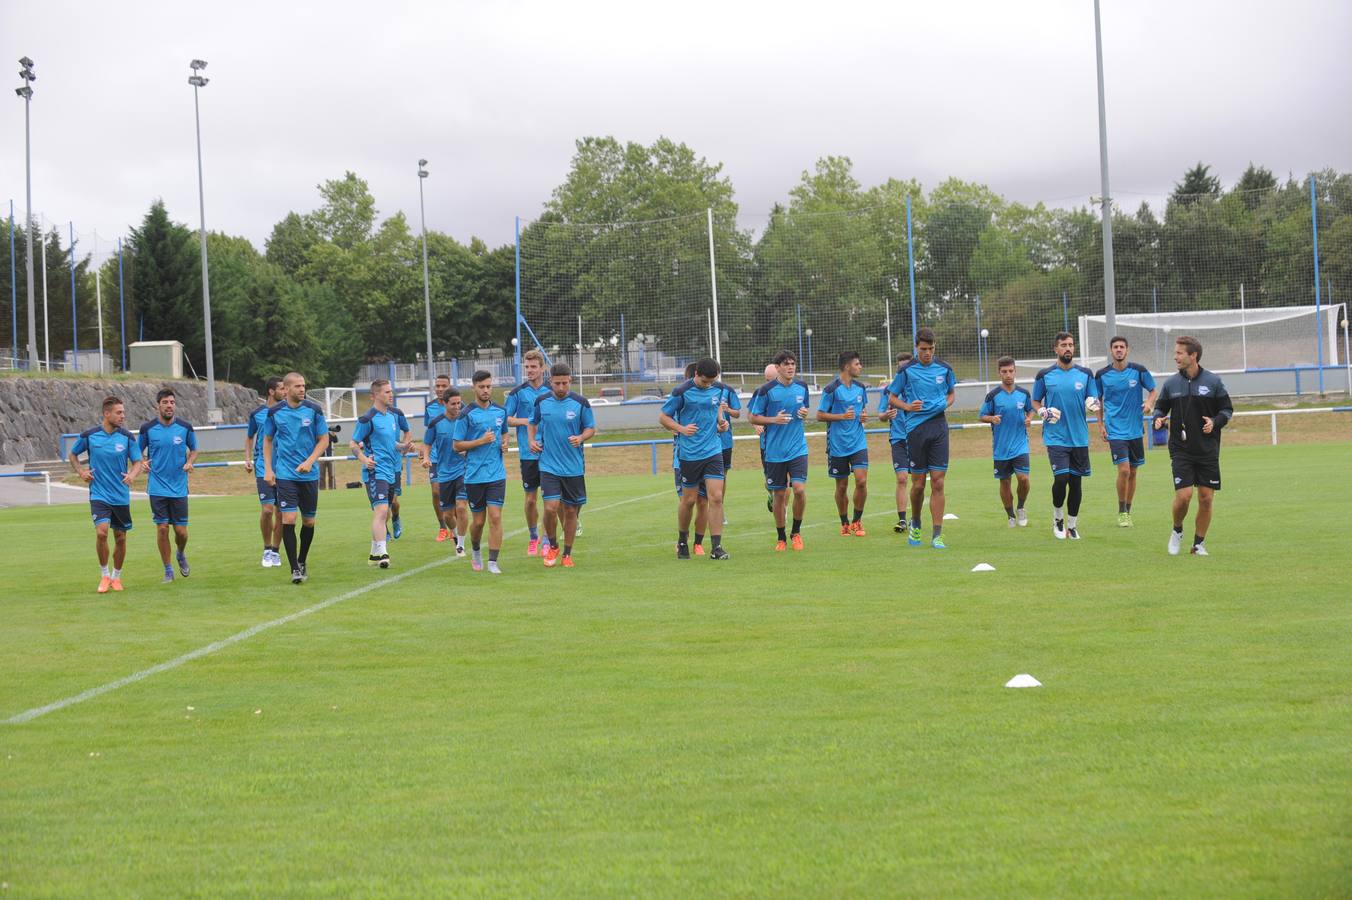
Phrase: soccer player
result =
(1062, 392)
(448, 472)
(1127, 391)
(110, 448)
(702, 496)
(771, 374)
(781, 406)
(693, 412)
(1008, 409)
(561, 424)
(440, 385)
(843, 407)
(924, 389)
(378, 439)
(1196, 406)
(295, 435)
(169, 446)
(481, 434)
(896, 436)
(269, 521)
(520, 405)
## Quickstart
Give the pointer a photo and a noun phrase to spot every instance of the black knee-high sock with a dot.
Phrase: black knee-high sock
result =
(307, 534)
(1059, 486)
(1073, 496)
(289, 542)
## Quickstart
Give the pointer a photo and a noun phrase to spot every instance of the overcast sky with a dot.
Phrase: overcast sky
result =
(494, 95)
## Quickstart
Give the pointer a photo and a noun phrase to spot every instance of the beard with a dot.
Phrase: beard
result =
(1067, 358)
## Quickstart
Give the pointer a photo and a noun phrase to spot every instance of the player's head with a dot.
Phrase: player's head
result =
(483, 386)
(114, 413)
(1187, 352)
(849, 362)
(924, 346)
(274, 391)
(787, 364)
(533, 362)
(904, 356)
(293, 386)
(439, 385)
(1065, 347)
(771, 372)
(1005, 366)
(706, 372)
(689, 371)
(560, 379)
(450, 398)
(382, 393)
(1117, 348)
(165, 402)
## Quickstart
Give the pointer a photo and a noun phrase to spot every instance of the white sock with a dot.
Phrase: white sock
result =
(116, 573)
(1056, 511)
(104, 570)
(1070, 521)
(460, 541)
(375, 548)
(380, 548)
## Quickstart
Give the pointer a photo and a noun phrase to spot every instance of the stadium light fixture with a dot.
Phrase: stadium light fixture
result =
(427, 285)
(26, 92)
(214, 415)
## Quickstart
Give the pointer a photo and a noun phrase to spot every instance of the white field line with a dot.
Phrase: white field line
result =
(36, 712)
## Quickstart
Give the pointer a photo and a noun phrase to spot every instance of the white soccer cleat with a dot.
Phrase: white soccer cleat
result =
(1022, 515)
(1175, 542)
(1059, 529)
(1013, 522)
(1199, 549)
(267, 559)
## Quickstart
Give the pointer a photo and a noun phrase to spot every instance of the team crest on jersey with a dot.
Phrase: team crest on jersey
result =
(1079, 385)
(304, 423)
(938, 379)
(177, 439)
(119, 447)
(570, 415)
(1131, 382)
(1203, 390)
(1020, 404)
(498, 421)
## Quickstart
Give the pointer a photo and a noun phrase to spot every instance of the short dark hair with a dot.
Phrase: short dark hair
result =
(1190, 344)
(445, 378)
(481, 375)
(1117, 337)
(109, 402)
(707, 367)
(560, 370)
(378, 384)
(273, 383)
(164, 392)
(784, 356)
(924, 336)
(690, 370)
(1004, 361)
(847, 357)
(1061, 336)
(450, 392)
(905, 356)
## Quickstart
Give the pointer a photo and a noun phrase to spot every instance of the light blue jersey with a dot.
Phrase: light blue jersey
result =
(782, 442)
(734, 402)
(1009, 438)
(896, 430)
(1123, 394)
(1067, 390)
(845, 438)
(168, 447)
(378, 433)
(690, 403)
(447, 465)
(483, 464)
(294, 431)
(930, 384)
(430, 412)
(555, 421)
(109, 455)
(520, 404)
(257, 419)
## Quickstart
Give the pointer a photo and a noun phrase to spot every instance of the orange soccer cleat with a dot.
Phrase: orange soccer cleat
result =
(552, 557)
(846, 529)
(797, 541)
(116, 584)
(857, 529)
(780, 546)
(567, 562)
(443, 535)
(699, 549)
(104, 584)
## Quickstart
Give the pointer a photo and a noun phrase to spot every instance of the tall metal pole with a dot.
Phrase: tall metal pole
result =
(713, 287)
(427, 286)
(516, 343)
(910, 266)
(13, 291)
(46, 327)
(197, 81)
(98, 306)
(121, 305)
(74, 316)
(1318, 305)
(26, 92)
(1109, 284)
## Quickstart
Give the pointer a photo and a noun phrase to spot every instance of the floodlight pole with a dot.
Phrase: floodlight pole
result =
(1109, 286)
(26, 92)
(214, 415)
(427, 287)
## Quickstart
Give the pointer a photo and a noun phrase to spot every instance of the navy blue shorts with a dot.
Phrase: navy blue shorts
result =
(839, 467)
(267, 494)
(677, 473)
(169, 510)
(397, 487)
(378, 492)
(530, 475)
(571, 489)
(1129, 451)
(779, 475)
(451, 489)
(1005, 468)
(298, 496)
(486, 494)
(694, 472)
(727, 458)
(117, 517)
(1069, 461)
(901, 457)
(928, 446)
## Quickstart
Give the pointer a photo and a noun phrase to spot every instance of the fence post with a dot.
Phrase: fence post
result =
(1318, 318)
(1274, 429)
(713, 288)
(654, 449)
(75, 319)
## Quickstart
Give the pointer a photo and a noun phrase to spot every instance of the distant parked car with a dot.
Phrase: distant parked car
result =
(611, 394)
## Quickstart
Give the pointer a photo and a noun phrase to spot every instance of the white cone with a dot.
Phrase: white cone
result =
(948, 516)
(1022, 681)
(983, 567)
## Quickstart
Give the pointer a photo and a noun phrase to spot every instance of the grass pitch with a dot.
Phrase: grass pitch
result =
(830, 722)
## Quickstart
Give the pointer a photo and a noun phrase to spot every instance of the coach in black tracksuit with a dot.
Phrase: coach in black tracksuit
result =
(1197, 407)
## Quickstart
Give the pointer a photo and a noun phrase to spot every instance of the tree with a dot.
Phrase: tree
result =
(166, 282)
(289, 245)
(1197, 182)
(348, 214)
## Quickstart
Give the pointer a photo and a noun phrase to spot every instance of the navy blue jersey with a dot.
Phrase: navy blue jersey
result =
(555, 421)
(294, 431)
(930, 384)
(167, 446)
(1009, 438)
(483, 464)
(1067, 390)
(520, 404)
(689, 403)
(109, 454)
(845, 438)
(788, 441)
(1123, 393)
(379, 433)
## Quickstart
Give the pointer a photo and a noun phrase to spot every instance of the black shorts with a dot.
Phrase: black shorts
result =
(298, 496)
(117, 517)
(1196, 471)
(901, 457)
(169, 510)
(530, 475)
(571, 489)
(451, 490)
(379, 492)
(839, 467)
(727, 458)
(927, 444)
(1132, 451)
(779, 475)
(267, 494)
(486, 494)
(397, 486)
(1069, 461)
(677, 473)
(1005, 468)
(694, 472)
